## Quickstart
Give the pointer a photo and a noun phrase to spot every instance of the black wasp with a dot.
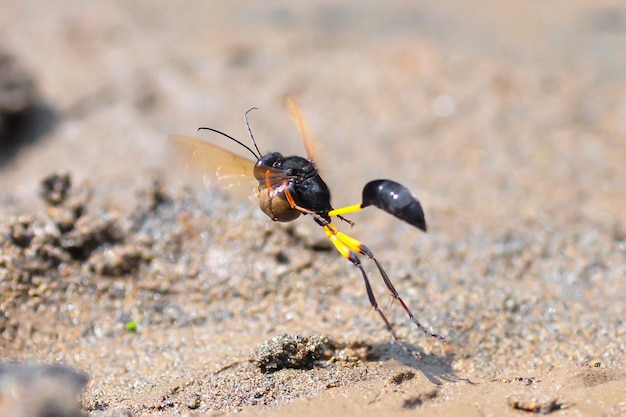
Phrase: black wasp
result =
(291, 186)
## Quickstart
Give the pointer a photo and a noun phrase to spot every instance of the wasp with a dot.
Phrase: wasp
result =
(291, 186)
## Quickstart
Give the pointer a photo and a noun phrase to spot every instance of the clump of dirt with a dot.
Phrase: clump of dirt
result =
(534, 404)
(17, 92)
(59, 249)
(420, 399)
(49, 250)
(280, 368)
(25, 116)
(291, 351)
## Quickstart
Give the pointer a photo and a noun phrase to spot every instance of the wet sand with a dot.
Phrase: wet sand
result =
(507, 122)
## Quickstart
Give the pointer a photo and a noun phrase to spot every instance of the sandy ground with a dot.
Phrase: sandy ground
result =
(508, 122)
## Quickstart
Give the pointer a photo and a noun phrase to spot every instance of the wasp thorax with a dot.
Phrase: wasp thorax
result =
(274, 203)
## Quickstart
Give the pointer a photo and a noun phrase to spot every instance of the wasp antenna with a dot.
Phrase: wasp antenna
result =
(245, 118)
(257, 157)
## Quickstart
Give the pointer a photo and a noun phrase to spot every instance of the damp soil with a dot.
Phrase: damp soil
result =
(129, 288)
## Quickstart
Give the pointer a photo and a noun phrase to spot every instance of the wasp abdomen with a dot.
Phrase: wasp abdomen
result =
(395, 199)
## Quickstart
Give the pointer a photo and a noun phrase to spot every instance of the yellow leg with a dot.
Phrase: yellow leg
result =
(331, 232)
(345, 243)
(349, 247)
(345, 210)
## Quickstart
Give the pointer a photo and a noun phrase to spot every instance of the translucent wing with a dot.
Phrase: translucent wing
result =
(221, 166)
(216, 164)
(306, 140)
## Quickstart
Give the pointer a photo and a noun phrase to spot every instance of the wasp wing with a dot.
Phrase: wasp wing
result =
(304, 133)
(221, 166)
(216, 165)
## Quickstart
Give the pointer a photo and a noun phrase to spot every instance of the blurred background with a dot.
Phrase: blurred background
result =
(507, 120)
(491, 113)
